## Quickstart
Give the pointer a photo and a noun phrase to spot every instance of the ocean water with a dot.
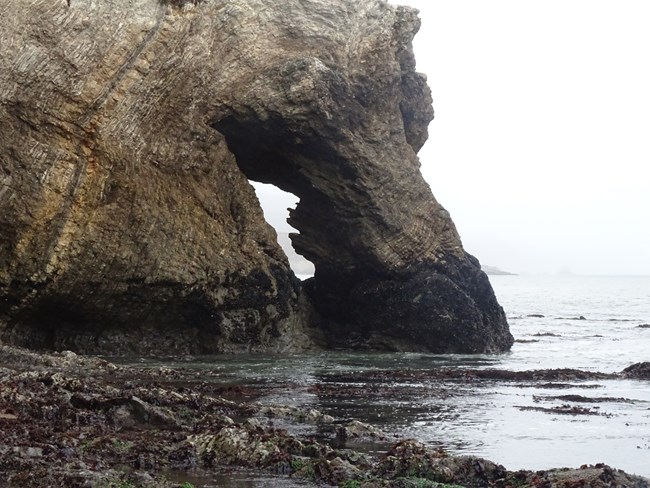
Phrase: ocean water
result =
(588, 323)
(607, 339)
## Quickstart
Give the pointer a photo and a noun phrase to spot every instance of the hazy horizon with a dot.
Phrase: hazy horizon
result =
(539, 142)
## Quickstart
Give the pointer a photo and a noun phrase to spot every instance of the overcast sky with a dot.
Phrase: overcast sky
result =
(540, 146)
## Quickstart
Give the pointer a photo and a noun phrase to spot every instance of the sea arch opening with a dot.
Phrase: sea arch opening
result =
(276, 205)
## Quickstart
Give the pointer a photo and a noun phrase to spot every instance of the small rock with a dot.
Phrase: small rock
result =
(337, 470)
(143, 478)
(639, 371)
(356, 429)
(295, 413)
(34, 452)
(252, 423)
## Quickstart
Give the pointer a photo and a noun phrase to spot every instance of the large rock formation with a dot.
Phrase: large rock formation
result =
(128, 129)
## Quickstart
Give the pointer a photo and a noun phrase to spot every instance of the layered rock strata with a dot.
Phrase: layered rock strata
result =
(128, 133)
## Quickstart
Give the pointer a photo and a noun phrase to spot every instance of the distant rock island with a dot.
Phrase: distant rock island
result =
(493, 270)
(129, 133)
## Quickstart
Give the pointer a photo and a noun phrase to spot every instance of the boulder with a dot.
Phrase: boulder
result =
(639, 371)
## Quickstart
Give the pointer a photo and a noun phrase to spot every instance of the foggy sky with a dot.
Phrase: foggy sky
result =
(541, 142)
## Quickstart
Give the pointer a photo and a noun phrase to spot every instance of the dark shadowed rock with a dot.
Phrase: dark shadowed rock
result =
(639, 371)
(128, 133)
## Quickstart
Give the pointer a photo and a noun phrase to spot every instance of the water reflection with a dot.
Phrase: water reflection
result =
(464, 415)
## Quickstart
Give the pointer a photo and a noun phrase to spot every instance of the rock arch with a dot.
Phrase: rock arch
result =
(128, 130)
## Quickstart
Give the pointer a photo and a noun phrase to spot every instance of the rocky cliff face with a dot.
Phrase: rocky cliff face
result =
(128, 132)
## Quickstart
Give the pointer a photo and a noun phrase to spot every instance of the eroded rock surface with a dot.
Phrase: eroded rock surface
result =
(128, 133)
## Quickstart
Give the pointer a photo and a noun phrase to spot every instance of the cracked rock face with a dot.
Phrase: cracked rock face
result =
(128, 133)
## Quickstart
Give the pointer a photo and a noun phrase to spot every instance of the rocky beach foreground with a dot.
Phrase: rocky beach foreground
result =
(70, 420)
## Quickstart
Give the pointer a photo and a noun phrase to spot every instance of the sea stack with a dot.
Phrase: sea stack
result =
(129, 133)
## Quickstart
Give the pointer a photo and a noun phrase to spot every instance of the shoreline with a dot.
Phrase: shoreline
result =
(71, 420)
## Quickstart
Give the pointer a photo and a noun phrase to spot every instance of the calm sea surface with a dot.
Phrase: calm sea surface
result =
(485, 418)
(608, 340)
